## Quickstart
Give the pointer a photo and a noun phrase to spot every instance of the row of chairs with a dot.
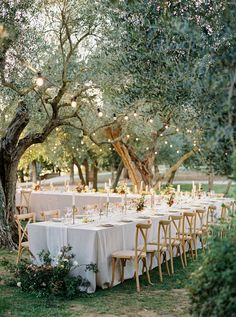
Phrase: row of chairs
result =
(189, 228)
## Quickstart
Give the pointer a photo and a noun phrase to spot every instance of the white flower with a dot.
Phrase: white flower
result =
(18, 284)
(75, 263)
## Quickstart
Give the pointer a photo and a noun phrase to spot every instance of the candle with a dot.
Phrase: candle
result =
(135, 189)
(73, 199)
(178, 188)
(199, 186)
(122, 200)
(108, 196)
(159, 186)
(146, 189)
(105, 186)
(193, 186)
(109, 182)
(141, 186)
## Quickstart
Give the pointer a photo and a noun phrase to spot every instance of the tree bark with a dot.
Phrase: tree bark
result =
(81, 176)
(171, 178)
(72, 175)
(95, 175)
(118, 174)
(86, 166)
(34, 171)
(228, 187)
(210, 181)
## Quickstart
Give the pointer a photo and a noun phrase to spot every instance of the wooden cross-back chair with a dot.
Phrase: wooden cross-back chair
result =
(22, 224)
(162, 247)
(176, 240)
(47, 215)
(201, 231)
(24, 201)
(188, 235)
(133, 255)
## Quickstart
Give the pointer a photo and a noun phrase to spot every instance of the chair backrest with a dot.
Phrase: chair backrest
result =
(22, 223)
(189, 223)
(177, 220)
(225, 208)
(164, 233)
(141, 231)
(201, 218)
(25, 198)
(50, 214)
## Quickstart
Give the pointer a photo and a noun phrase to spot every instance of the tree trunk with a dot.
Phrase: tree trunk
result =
(138, 170)
(8, 179)
(21, 175)
(210, 181)
(34, 171)
(119, 171)
(228, 187)
(173, 168)
(81, 176)
(72, 175)
(86, 166)
(171, 178)
(95, 175)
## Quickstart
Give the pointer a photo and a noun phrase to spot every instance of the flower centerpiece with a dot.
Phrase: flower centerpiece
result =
(122, 189)
(80, 188)
(36, 187)
(171, 200)
(140, 203)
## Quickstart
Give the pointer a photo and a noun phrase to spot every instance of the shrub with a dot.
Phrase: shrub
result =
(213, 290)
(53, 277)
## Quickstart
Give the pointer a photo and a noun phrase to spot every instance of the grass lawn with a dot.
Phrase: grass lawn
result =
(169, 298)
(218, 188)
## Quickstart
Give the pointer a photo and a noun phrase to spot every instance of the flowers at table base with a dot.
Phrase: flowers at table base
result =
(52, 277)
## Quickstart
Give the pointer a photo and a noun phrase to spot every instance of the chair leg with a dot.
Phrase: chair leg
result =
(191, 248)
(147, 271)
(20, 251)
(195, 246)
(123, 261)
(136, 275)
(184, 252)
(113, 271)
(171, 260)
(167, 264)
(181, 256)
(159, 266)
(151, 260)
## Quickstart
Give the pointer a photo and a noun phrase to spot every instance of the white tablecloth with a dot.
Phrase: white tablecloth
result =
(92, 243)
(51, 200)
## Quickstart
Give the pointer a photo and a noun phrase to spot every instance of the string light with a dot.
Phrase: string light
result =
(94, 133)
(100, 150)
(135, 113)
(82, 142)
(126, 117)
(166, 142)
(128, 135)
(166, 126)
(177, 130)
(109, 140)
(151, 120)
(171, 145)
(137, 139)
(161, 134)
(155, 153)
(73, 102)
(39, 80)
(147, 148)
(100, 114)
(177, 151)
(114, 117)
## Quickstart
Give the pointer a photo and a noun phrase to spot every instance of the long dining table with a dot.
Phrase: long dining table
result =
(50, 200)
(94, 242)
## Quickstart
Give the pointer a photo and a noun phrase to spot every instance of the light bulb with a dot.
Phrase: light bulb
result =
(166, 142)
(100, 114)
(73, 103)
(114, 116)
(151, 120)
(128, 135)
(177, 129)
(166, 127)
(147, 148)
(161, 134)
(39, 80)
(155, 153)
(171, 145)
(126, 117)
(136, 139)
(177, 151)
(135, 114)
